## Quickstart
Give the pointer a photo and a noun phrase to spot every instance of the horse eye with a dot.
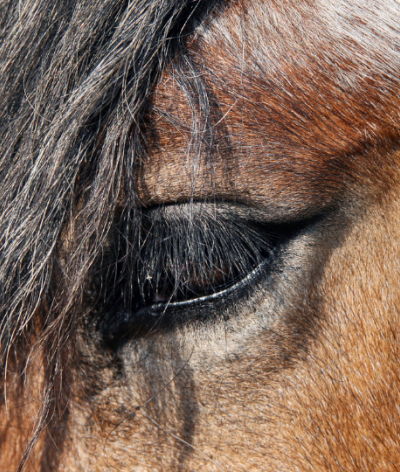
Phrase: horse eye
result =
(180, 260)
(188, 253)
(198, 282)
(187, 259)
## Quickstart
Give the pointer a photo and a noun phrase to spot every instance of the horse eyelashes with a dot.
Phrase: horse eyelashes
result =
(184, 263)
(181, 254)
(179, 257)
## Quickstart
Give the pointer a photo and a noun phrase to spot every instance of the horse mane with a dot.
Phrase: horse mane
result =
(76, 78)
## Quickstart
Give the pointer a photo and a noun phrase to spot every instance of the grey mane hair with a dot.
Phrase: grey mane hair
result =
(75, 77)
(67, 71)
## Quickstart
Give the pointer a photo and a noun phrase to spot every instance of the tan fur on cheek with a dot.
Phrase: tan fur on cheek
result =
(338, 409)
(353, 377)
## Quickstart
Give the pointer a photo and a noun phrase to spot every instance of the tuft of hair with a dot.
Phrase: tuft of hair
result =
(75, 80)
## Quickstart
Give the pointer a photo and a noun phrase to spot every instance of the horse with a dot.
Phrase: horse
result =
(200, 226)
